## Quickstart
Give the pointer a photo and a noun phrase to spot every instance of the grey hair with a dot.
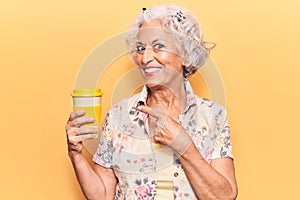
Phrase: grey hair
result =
(184, 29)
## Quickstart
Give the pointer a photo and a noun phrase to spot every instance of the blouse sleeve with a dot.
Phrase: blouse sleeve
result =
(222, 145)
(103, 154)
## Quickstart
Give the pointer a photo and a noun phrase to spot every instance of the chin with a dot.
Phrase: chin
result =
(151, 82)
(158, 83)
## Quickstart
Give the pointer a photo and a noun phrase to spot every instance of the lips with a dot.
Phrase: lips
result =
(151, 70)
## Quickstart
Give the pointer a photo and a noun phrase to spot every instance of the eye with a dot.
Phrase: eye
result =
(158, 46)
(140, 48)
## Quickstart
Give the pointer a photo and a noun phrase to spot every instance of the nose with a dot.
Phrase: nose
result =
(148, 56)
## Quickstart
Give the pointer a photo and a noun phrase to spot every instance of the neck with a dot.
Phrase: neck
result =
(168, 97)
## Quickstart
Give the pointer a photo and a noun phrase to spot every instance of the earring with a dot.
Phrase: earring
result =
(185, 63)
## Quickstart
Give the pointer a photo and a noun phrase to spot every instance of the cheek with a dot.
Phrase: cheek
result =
(137, 59)
(168, 59)
(164, 56)
(172, 60)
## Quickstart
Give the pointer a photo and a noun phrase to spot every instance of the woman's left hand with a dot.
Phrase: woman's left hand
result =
(166, 130)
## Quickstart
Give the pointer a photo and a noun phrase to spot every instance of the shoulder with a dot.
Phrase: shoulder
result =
(205, 103)
(211, 110)
(122, 108)
(126, 103)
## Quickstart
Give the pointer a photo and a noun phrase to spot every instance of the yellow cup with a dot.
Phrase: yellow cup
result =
(89, 100)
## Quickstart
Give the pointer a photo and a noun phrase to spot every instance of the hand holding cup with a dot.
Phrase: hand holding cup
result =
(78, 132)
(83, 123)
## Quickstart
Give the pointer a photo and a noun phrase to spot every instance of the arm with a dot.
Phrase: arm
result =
(209, 181)
(97, 182)
(214, 181)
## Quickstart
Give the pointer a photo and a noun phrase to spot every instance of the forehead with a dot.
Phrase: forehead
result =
(153, 31)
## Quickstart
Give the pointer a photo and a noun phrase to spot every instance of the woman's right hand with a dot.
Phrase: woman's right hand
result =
(76, 132)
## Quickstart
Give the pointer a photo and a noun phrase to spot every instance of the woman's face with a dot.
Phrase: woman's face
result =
(157, 55)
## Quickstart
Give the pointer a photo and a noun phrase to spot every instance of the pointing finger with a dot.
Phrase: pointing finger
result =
(155, 111)
(144, 109)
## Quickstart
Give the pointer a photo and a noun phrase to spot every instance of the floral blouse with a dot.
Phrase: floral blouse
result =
(125, 146)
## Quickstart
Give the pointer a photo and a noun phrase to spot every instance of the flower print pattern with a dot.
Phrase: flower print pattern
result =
(124, 145)
(207, 156)
(145, 189)
(119, 193)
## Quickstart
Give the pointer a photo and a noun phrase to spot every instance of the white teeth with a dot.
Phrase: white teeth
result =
(152, 70)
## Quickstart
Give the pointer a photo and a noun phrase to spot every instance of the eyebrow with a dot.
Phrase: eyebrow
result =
(139, 43)
(154, 41)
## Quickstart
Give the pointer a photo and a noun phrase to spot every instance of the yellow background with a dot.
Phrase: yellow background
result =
(43, 43)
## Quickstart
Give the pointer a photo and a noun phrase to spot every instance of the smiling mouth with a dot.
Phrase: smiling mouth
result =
(152, 70)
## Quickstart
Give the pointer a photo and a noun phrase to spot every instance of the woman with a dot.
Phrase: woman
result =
(165, 142)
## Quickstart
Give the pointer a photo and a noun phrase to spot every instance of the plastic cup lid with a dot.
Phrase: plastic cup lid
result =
(86, 92)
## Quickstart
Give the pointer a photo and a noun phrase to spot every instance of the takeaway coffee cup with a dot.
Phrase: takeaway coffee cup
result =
(89, 100)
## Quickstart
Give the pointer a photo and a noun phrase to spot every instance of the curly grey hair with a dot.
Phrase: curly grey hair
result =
(184, 29)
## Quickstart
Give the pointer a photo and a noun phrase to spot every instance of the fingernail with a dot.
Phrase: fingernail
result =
(91, 119)
(139, 107)
(80, 112)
